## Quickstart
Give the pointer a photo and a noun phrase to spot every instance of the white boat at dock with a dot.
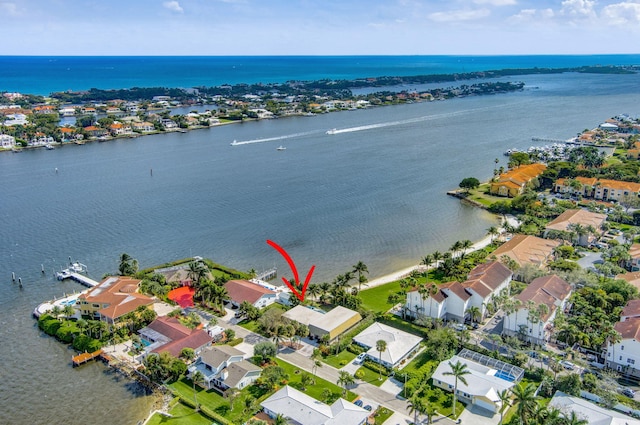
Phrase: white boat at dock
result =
(281, 148)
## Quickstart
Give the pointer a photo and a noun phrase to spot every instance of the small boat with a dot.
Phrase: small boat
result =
(49, 147)
(64, 274)
(332, 131)
(281, 148)
(16, 150)
(235, 143)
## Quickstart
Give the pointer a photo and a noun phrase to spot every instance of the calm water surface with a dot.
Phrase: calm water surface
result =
(374, 193)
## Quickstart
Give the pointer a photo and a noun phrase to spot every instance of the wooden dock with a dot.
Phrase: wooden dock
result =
(86, 281)
(85, 357)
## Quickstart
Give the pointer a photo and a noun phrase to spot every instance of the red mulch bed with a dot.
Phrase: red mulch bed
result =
(183, 296)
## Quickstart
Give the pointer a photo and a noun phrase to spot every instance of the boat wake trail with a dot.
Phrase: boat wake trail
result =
(272, 139)
(410, 120)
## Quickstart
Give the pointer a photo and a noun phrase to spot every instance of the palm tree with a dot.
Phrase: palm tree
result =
(344, 380)
(314, 290)
(464, 246)
(232, 393)
(493, 232)
(381, 346)
(416, 406)
(505, 397)
(457, 246)
(437, 256)
(280, 419)
(197, 379)
(432, 290)
(361, 269)
(572, 418)
(474, 313)
(525, 399)
(458, 370)
(56, 311)
(427, 261)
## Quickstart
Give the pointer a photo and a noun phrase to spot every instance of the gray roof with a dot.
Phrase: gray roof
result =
(306, 410)
(238, 370)
(325, 321)
(218, 354)
(399, 343)
(584, 409)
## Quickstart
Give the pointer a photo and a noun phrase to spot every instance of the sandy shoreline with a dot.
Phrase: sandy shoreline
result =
(397, 275)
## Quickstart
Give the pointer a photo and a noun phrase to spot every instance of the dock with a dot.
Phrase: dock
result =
(85, 357)
(268, 275)
(84, 280)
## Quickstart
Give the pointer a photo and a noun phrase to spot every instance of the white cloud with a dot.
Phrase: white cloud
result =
(496, 2)
(528, 15)
(578, 8)
(173, 6)
(622, 14)
(9, 8)
(459, 15)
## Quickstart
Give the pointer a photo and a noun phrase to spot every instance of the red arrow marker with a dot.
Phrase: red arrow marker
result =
(298, 289)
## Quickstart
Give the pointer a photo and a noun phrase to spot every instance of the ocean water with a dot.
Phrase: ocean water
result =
(374, 192)
(44, 75)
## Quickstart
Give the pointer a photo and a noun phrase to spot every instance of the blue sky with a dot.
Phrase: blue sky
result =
(318, 27)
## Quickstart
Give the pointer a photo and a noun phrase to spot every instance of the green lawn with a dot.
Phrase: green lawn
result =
(397, 322)
(314, 391)
(371, 377)
(343, 358)
(382, 414)
(421, 361)
(181, 415)
(375, 299)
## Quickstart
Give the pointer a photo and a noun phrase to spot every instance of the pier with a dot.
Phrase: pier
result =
(85, 357)
(268, 275)
(84, 280)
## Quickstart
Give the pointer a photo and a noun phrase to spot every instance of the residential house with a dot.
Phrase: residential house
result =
(120, 129)
(143, 127)
(112, 298)
(486, 378)
(452, 300)
(524, 249)
(567, 221)
(400, 344)
(169, 124)
(592, 413)
(224, 367)
(600, 189)
(243, 290)
(7, 142)
(332, 323)
(167, 334)
(624, 355)
(631, 310)
(15, 119)
(513, 182)
(301, 409)
(45, 110)
(631, 277)
(529, 320)
(115, 112)
(634, 263)
(94, 131)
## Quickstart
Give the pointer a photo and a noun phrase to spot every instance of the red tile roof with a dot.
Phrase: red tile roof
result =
(629, 329)
(243, 290)
(180, 335)
(632, 309)
(545, 290)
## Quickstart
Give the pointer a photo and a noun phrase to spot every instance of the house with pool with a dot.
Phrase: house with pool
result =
(486, 379)
(167, 334)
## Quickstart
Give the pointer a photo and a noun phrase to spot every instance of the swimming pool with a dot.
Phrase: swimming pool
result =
(504, 375)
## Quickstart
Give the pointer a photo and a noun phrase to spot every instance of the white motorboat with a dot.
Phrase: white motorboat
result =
(332, 131)
(281, 148)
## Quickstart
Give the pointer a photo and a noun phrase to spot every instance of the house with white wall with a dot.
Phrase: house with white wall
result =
(528, 320)
(224, 367)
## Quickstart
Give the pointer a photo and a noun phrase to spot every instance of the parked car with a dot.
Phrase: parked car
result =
(358, 403)
(459, 327)
(628, 392)
(567, 364)
(360, 358)
(368, 408)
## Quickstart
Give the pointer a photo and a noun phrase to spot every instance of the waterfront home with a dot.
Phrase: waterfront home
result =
(67, 111)
(332, 323)
(94, 131)
(513, 182)
(592, 413)
(112, 298)
(244, 290)
(528, 320)
(525, 249)
(45, 110)
(115, 112)
(486, 378)
(143, 127)
(15, 119)
(167, 334)
(7, 142)
(589, 221)
(301, 409)
(224, 367)
(400, 344)
(120, 129)
(452, 300)
(600, 189)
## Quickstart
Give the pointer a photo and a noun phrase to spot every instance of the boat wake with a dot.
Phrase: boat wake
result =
(273, 139)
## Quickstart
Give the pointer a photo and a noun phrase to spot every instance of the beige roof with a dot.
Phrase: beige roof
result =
(545, 290)
(325, 321)
(525, 249)
(218, 354)
(629, 329)
(238, 370)
(577, 216)
(631, 277)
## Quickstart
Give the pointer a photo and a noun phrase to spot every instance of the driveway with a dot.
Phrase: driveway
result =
(475, 415)
(590, 259)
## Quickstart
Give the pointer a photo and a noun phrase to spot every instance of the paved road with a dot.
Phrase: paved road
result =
(363, 389)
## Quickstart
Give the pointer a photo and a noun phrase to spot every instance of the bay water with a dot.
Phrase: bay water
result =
(373, 192)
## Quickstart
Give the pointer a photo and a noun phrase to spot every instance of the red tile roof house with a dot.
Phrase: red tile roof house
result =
(243, 290)
(168, 334)
(578, 216)
(114, 297)
(624, 356)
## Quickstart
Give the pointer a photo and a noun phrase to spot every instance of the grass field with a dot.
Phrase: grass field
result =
(375, 299)
(343, 358)
(315, 390)
(181, 415)
(371, 377)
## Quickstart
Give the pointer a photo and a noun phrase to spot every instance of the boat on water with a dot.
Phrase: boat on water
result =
(49, 147)
(332, 131)
(73, 268)
(281, 148)
(63, 274)
(234, 143)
